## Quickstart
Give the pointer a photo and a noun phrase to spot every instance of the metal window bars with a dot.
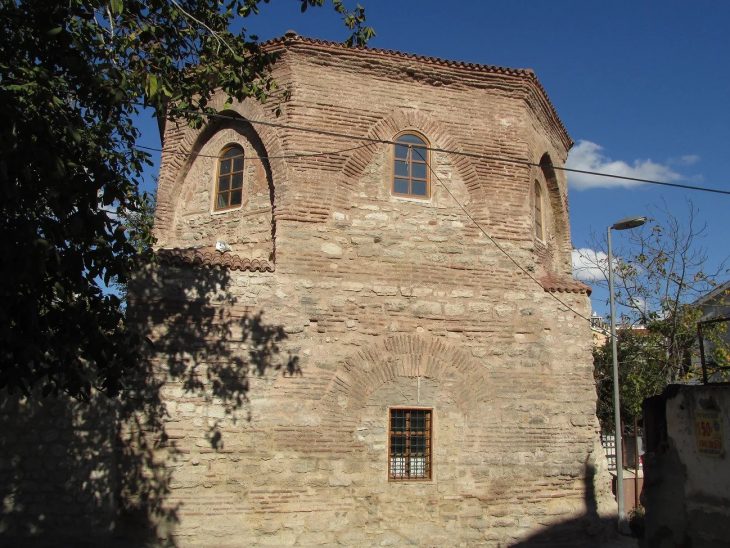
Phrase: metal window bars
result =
(409, 450)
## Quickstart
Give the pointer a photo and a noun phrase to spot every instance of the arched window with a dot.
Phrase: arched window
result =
(539, 228)
(410, 167)
(229, 184)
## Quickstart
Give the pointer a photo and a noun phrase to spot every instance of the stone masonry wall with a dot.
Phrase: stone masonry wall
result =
(249, 231)
(279, 383)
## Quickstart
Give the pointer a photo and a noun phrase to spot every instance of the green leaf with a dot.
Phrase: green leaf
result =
(116, 6)
(69, 137)
(151, 85)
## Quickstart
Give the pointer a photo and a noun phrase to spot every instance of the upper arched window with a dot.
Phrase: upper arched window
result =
(411, 167)
(539, 224)
(229, 183)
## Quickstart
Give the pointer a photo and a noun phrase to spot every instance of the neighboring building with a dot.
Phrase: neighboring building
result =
(715, 307)
(716, 303)
(601, 330)
(686, 477)
(379, 372)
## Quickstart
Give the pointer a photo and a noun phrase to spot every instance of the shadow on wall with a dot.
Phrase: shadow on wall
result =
(204, 339)
(589, 529)
(85, 473)
(57, 468)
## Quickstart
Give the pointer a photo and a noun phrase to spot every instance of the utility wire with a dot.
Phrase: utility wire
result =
(417, 150)
(516, 161)
(639, 180)
(293, 155)
(436, 149)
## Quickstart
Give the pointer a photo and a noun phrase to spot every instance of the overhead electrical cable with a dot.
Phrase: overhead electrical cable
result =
(442, 150)
(441, 183)
(487, 157)
(494, 242)
(292, 155)
(466, 212)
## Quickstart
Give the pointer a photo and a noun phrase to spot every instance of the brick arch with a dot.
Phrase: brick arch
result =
(396, 123)
(558, 201)
(361, 374)
(187, 142)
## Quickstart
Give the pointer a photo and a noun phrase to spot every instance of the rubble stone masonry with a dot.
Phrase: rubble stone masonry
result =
(338, 301)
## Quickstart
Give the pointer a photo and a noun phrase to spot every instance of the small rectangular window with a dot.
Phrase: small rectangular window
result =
(229, 183)
(411, 167)
(409, 449)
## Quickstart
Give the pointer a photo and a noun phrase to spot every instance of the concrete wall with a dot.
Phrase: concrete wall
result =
(686, 473)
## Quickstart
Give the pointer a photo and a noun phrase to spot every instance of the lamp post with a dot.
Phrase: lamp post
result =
(623, 224)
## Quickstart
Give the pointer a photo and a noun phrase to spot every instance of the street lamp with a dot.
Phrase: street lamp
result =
(623, 224)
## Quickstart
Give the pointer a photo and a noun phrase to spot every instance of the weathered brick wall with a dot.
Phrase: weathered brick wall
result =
(249, 231)
(280, 382)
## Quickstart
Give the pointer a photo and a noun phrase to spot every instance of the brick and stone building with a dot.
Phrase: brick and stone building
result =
(360, 339)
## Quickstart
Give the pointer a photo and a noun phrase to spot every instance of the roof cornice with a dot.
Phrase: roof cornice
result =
(292, 40)
(717, 291)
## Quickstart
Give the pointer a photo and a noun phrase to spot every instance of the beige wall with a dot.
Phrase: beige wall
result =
(686, 475)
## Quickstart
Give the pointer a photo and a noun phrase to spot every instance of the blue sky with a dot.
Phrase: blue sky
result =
(643, 88)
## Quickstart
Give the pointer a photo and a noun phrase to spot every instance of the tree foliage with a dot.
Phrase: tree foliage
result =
(641, 374)
(661, 269)
(74, 74)
(664, 270)
(138, 225)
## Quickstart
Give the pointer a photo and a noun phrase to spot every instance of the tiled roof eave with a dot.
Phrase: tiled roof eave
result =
(287, 40)
(564, 285)
(209, 257)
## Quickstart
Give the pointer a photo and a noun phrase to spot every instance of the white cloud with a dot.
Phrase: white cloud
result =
(587, 156)
(589, 265)
(686, 160)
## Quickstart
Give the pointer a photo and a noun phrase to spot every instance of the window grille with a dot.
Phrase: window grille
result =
(409, 450)
(609, 445)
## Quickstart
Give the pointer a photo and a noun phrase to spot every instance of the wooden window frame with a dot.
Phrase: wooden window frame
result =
(538, 212)
(230, 190)
(410, 161)
(427, 433)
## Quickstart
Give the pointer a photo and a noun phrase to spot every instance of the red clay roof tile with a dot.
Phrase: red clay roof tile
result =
(209, 257)
(553, 284)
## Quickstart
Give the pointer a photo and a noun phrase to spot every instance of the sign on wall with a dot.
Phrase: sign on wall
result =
(708, 432)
